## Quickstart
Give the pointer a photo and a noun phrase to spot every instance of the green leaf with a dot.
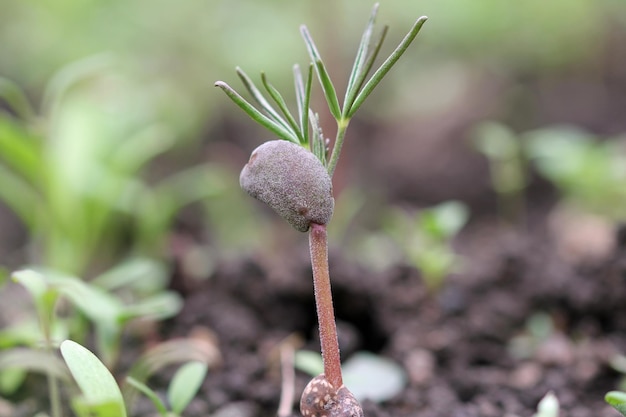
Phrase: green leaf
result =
(33, 281)
(177, 351)
(33, 360)
(373, 377)
(260, 99)
(21, 150)
(158, 307)
(387, 65)
(19, 196)
(94, 379)
(445, 220)
(100, 306)
(13, 95)
(147, 275)
(322, 74)
(359, 71)
(548, 406)
(84, 408)
(278, 129)
(303, 98)
(44, 296)
(11, 380)
(617, 400)
(309, 362)
(148, 392)
(185, 384)
(280, 101)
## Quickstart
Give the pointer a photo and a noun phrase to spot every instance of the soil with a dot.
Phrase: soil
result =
(467, 349)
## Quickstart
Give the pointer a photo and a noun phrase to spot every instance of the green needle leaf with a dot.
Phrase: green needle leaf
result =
(386, 66)
(322, 74)
(256, 115)
(367, 67)
(280, 101)
(303, 97)
(260, 99)
(359, 61)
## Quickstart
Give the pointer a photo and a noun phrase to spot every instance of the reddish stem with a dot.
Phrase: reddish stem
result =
(318, 243)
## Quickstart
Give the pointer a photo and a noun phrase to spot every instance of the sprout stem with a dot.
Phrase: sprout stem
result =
(342, 126)
(318, 242)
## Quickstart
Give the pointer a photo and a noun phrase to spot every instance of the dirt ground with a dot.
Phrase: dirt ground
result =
(467, 349)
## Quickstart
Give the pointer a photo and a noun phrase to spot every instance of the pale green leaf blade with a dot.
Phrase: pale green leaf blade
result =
(359, 61)
(386, 66)
(282, 105)
(185, 384)
(548, 406)
(617, 399)
(255, 114)
(373, 377)
(322, 74)
(260, 98)
(148, 392)
(309, 362)
(94, 379)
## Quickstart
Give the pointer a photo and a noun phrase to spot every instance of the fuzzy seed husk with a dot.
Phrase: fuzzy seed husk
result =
(292, 181)
(321, 399)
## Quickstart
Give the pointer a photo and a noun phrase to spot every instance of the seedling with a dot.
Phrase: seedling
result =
(617, 399)
(72, 168)
(424, 239)
(588, 172)
(507, 168)
(101, 396)
(293, 176)
(34, 350)
(548, 406)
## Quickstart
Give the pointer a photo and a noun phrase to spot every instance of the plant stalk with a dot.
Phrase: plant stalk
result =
(318, 242)
(342, 126)
(53, 383)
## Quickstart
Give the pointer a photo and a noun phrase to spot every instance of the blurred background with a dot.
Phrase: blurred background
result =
(119, 159)
(113, 139)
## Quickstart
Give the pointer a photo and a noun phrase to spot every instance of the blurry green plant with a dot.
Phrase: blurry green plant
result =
(33, 350)
(425, 239)
(589, 173)
(507, 166)
(548, 406)
(102, 397)
(617, 399)
(293, 175)
(538, 328)
(74, 171)
(182, 389)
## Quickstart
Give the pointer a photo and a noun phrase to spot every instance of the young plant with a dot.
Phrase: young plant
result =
(617, 399)
(108, 313)
(507, 168)
(548, 406)
(589, 173)
(293, 176)
(35, 350)
(73, 168)
(102, 397)
(424, 239)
